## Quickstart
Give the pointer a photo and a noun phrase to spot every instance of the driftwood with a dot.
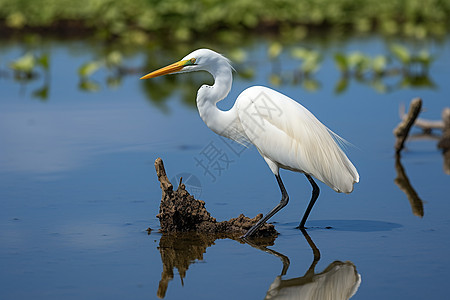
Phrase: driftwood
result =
(426, 125)
(444, 143)
(411, 119)
(402, 129)
(180, 212)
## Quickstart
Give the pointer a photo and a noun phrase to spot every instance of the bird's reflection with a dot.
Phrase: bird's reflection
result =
(404, 184)
(339, 280)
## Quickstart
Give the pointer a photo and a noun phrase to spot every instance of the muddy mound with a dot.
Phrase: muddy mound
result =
(181, 212)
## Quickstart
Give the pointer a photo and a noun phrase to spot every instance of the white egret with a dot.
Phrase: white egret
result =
(285, 133)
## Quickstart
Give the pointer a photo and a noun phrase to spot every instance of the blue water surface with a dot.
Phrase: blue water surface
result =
(78, 188)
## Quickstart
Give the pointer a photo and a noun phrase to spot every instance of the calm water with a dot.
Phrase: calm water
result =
(78, 188)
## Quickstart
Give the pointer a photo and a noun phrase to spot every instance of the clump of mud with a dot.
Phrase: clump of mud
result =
(181, 212)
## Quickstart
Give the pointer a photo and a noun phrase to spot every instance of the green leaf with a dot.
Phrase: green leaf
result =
(238, 55)
(379, 64)
(275, 79)
(341, 62)
(311, 59)
(114, 59)
(341, 85)
(24, 64)
(379, 86)
(422, 81)
(425, 58)
(299, 53)
(359, 61)
(41, 93)
(88, 85)
(44, 61)
(274, 50)
(89, 68)
(401, 53)
(311, 85)
(311, 64)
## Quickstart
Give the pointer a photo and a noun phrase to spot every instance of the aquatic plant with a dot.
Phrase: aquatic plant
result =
(399, 68)
(25, 66)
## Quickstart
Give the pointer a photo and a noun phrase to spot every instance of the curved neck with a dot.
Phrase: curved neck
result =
(207, 96)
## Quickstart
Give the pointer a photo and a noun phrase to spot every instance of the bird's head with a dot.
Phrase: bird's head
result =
(199, 60)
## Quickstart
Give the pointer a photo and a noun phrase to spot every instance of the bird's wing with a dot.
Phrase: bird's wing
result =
(289, 136)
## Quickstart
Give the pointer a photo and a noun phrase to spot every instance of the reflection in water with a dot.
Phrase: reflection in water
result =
(179, 251)
(298, 68)
(339, 280)
(380, 82)
(182, 249)
(28, 68)
(403, 183)
(446, 155)
(159, 91)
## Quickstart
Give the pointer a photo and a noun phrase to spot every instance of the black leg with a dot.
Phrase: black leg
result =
(284, 201)
(315, 195)
(316, 252)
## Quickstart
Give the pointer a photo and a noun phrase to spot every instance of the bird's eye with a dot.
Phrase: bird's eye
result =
(192, 60)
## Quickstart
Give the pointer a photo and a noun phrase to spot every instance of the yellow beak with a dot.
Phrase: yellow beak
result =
(175, 67)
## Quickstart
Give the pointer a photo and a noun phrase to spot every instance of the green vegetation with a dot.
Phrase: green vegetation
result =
(127, 27)
(141, 21)
(24, 67)
(398, 68)
(373, 71)
(112, 62)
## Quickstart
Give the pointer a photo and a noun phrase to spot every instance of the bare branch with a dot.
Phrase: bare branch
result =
(402, 129)
(424, 124)
(444, 143)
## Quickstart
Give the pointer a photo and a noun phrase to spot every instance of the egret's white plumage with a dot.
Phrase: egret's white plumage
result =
(290, 137)
(285, 133)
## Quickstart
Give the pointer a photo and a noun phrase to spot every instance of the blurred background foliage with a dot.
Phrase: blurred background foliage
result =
(172, 28)
(137, 21)
(396, 68)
